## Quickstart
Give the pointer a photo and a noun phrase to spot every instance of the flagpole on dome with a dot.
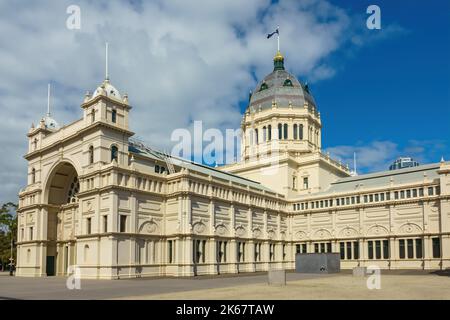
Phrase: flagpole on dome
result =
(278, 37)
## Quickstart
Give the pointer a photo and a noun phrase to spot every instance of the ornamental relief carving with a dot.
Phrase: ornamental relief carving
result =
(322, 233)
(348, 232)
(410, 228)
(240, 231)
(199, 227)
(377, 230)
(221, 229)
(257, 233)
(300, 235)
(149, 227)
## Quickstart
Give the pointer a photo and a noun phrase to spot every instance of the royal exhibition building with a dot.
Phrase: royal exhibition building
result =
(115, 208)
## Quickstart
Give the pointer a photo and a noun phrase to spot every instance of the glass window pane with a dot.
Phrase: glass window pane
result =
(349, 250)
(419, 253)
(378, 249)
(385, 249)
(401, 244)
(410, 248)
(370, 249)
(342, 249)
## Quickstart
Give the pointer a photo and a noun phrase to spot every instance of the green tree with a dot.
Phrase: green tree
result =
(8, 232)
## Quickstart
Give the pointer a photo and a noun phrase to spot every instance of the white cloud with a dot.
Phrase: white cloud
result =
(179, 61)
(378, 155)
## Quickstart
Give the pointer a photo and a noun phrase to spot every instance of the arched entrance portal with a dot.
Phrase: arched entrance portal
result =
(61, 193)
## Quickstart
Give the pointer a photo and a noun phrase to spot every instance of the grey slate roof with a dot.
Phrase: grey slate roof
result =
(383, 179)
(297, 94)
(190, 165)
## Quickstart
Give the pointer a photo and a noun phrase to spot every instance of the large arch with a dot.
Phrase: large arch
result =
(60, 195)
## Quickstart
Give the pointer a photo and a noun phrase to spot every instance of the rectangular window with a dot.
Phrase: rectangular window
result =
(305, 183)
(436, 247)
(438, 191)
(170, 251)
(370, 249)
(316, 247)
(342, 250)
(225, 250)
(322, 247)
(421, 192)
(356, 250)
(123, 223)
(321, 203)
(385, 249)
(408, 193)
(381, 196)
(419, 249)
(377, 197)
(337, 202)
(378, 249)
(105, 223)
(353, 200)
(88, 225)
(388, 196)
(31, 233)
(430, 191)
(414, 193)
(349, 250)
(396, 195)
(365, 198)
(329, 247)
(410, 248)
(347, 201)
(371, 198)
(401, 244)
(297, 248)
(402, 194)
(331, 202)
(304, 248)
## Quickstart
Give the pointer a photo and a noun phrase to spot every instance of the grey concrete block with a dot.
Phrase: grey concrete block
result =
(277, 277)
(359, 271)
(318, 262)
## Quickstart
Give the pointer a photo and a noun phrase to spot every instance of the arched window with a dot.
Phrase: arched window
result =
(287, 83)
(35, 141)
(33, 175)
(264, 86)
(256, 136)
(295, 131)
(114, 153)
(285, 131)
(280, 131)
(269, 135)
(91, 155)
(300, 132)
(264, 134)
(114, 116)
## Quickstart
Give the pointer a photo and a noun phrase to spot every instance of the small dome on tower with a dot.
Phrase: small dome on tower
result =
(50, 123)
(107, 89)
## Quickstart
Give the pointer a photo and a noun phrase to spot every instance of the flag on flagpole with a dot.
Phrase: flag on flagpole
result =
(271, 34)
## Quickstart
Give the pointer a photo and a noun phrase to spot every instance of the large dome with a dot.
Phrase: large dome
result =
(282, 87)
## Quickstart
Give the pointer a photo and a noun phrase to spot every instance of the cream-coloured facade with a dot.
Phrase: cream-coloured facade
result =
(99, 200)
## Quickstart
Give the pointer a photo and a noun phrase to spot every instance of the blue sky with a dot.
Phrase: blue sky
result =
(395, 90)
(381, 93)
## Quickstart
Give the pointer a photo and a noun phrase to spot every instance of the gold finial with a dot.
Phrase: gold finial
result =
(278, 56)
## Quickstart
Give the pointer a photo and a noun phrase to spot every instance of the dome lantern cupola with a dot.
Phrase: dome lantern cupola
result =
(278, 61)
